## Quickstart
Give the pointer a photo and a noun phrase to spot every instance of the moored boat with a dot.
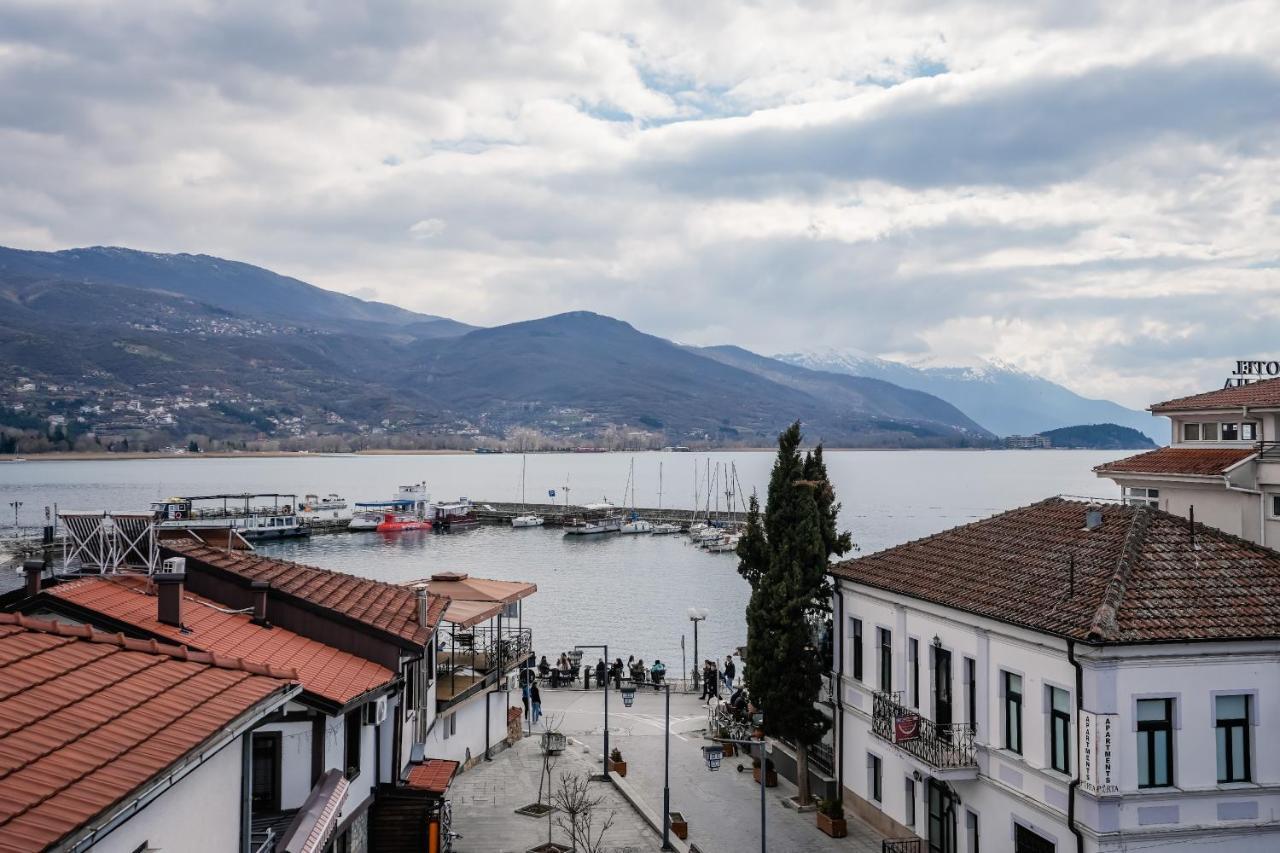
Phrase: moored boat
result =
(594, 519)
(331, 507)
(278, 520)
(393, 523)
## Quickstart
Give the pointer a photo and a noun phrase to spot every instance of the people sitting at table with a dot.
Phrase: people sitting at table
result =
(657, 673)
(544, 668)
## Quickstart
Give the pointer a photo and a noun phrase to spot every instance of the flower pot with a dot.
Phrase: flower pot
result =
(619, 767)
(770, 781)
(836, 827)
(679, 826)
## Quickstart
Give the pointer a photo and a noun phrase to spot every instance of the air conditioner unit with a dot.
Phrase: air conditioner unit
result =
(175, 565)
(375, 712)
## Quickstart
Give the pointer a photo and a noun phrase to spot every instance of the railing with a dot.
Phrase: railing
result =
(487, 647)
(902, 845)
(267, 842)
(1269, 451)
(941, 746)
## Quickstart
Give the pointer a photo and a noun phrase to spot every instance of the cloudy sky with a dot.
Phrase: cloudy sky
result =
(1088, 190)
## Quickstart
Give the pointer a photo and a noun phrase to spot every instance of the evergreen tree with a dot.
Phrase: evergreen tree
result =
(784, 556)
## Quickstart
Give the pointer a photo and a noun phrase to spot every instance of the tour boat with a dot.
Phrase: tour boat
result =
(412, 500)
(332, 507)
(453, 515)
(393, 523)
(278, 520)
(595, 519)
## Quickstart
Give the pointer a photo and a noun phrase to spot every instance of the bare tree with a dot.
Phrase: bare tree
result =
(579, 813)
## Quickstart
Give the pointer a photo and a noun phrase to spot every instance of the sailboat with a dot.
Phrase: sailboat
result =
(665, 527)
(634, 523)
(525, 518)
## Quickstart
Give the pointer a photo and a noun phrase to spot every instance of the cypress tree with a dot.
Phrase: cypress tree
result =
(784, 555)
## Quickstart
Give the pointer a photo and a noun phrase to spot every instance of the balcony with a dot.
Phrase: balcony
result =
(482, 649)
(946, 750)
(1268, 470)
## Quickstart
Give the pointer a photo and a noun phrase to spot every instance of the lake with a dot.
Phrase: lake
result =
(629, 591)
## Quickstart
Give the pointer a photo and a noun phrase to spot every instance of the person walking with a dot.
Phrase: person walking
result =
(617, 674)
(728, 672)
(600, 676)
(526, 697)
(708, 681)
(586, 676)
(536, 697)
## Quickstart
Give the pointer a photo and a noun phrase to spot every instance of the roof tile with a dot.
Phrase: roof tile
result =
(1198, 461)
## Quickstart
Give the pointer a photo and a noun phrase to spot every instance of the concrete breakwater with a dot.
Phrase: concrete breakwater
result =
(555, 515)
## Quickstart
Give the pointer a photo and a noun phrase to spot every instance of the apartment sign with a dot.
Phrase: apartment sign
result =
(1248, 372)
(1098, 771)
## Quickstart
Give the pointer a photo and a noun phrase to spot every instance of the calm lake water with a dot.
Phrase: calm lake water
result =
(629, 591)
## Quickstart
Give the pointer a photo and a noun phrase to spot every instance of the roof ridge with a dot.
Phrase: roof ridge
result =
(154, 647)
(1104, 618)
(255, 558)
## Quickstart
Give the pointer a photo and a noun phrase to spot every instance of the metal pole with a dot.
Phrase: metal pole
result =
(697, 661)
(764, 777)
(606, 702)
(666, 776)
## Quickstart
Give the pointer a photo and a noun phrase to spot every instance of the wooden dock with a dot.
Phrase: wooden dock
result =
(554, 515)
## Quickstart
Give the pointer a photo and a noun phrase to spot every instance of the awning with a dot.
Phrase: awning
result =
(318, 817)
(433, 775)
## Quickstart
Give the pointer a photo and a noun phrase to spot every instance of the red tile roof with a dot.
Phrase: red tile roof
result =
(1261, 395)
(432, 775)
(1201, 461)
(1137, 578)
(389, 608)
(323, 670)
(88, 718)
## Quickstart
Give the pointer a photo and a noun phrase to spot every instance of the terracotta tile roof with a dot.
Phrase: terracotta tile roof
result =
(1137, 578)
(1203, 461)
(389, 608)
(323, 670)
(474, 600)
(432, 775)
(88, 718)
(1262, 395)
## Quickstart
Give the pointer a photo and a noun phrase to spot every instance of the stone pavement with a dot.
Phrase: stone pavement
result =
(486, 796)
(722, 808)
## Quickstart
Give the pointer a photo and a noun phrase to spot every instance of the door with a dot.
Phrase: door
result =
(942, 692)
(266, 772)
(942, 819)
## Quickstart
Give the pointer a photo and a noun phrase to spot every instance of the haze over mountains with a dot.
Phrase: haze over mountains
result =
(116, 340)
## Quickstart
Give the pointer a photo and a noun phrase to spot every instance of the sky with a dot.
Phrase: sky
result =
(1086, 190)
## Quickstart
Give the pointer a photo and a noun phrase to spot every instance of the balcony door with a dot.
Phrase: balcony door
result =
(942, 692)
(942, 819)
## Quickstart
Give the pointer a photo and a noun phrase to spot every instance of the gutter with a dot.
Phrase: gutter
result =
(1075, 782)
(837, 664)
(87, 838)
(1262, 505)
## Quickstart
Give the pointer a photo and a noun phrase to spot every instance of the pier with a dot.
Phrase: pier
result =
(555, 515)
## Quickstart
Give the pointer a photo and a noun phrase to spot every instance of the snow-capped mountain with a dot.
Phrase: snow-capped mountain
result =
(1000, 396)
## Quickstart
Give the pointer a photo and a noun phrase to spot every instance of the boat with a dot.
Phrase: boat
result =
(725, 542)
(395, 523)
(634, 523)
(449, 516)
(525, 518)
(664, 528)
(412, 500)
(331, 507)
(278, 520)
(594, 519)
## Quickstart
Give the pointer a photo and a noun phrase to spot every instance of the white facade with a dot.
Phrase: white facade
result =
(1003, 790)
(459, 732)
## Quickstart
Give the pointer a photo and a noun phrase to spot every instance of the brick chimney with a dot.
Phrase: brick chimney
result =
(260, 589)
(421, 592)
(169, 592)
(33, 570)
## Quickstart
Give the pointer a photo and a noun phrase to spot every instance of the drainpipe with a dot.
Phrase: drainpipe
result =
(1262, 507)
(837, 664)
(1075, 783)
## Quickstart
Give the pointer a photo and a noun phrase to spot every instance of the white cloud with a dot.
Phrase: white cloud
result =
(425, 229)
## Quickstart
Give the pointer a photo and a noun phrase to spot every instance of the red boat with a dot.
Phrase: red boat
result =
(392, 523)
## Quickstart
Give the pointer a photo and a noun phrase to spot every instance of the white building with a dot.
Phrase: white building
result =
(1224, 460)
(1063, 677)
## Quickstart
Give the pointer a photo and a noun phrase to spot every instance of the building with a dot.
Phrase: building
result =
(1063, 677)
(1028, 442)
(117, 744)
(1224, 461)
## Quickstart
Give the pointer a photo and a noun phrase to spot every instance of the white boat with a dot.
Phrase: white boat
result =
(726, 542)
(595, 519)
(278, 520)
(696, 529)
(665, 529)
(634, 523)
(413, 500)
(525, 518)
(331, 507)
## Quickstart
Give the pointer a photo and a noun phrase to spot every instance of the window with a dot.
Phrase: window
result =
(1140, 496)
(351, 755)
(1012, 712)
(1275, 506)
(1232, 715)
(1191, 432)
(1026, 841)
(909, 815)
(857, 649)
(266, 772)
(971, 829)
(886, 659)
(1208, 432)
(1059, 730)
(873, 776)
(1231, 432)
(1248, 431)
(971, 692)
(1155, 743)
(913, 652)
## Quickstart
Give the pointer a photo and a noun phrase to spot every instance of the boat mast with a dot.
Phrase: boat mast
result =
(659, 487)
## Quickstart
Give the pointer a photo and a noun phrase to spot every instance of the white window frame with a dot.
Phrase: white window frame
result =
(1142, 495)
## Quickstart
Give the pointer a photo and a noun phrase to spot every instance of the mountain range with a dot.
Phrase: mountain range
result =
(116, 340)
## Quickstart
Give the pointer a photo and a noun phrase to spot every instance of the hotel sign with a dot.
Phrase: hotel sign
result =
(906, 727)
(1098, 752)
(1248, 372)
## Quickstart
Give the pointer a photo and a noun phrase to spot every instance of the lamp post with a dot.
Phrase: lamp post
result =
(606, 704)
(712, 755)
(629, 696)
(696, 615)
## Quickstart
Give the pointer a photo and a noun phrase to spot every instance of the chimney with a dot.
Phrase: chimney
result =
(169, 592)
(421, 592)
(1092, 519)
(33, 569)
(260, 602)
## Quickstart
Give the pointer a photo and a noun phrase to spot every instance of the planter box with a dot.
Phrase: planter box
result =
(770, 781)
(679, 826)
(619, 767)
(554, 742)
(836, 827)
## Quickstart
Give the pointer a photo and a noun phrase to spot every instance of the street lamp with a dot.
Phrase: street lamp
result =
(605, 758)
(16, 506)
(713, 755)
(696, 615)
(628, 696)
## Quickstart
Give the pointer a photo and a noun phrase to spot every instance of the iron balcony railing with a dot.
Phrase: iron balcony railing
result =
(902, 845)
(484, 648)
(946, 746)
(1269, 451)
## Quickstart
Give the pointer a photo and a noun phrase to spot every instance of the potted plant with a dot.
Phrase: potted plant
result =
(616, 764)
(831, 818)
(679, 826)
(771, 774)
